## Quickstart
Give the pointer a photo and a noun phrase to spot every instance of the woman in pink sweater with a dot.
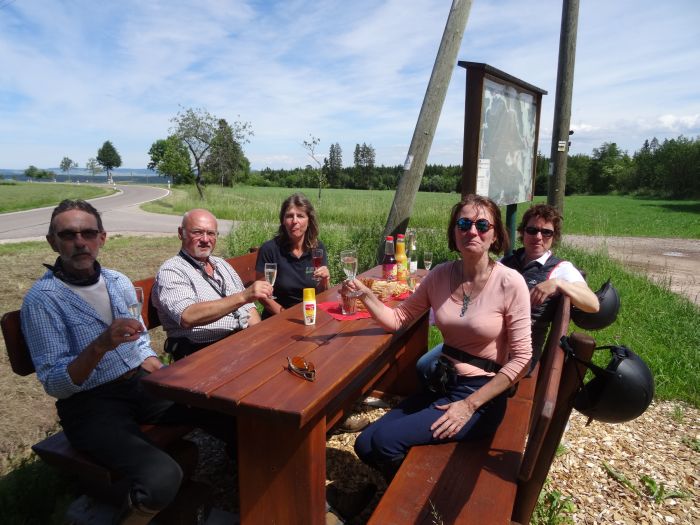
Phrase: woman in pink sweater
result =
(482, 309)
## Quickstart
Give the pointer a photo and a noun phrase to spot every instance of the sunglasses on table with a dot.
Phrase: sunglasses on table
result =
(482, 225)
(301, 367)
(70, 235)
(546, 232)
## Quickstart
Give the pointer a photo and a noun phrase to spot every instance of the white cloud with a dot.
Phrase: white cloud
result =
(78, 73)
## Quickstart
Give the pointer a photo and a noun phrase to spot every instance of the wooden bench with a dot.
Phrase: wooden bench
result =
(494, 481)
(56, 450)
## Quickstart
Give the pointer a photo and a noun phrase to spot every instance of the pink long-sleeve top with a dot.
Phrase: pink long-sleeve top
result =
(496, 325)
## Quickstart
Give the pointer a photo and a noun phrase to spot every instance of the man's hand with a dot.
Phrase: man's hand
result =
(122, 330)
(151, 364)
(258, 290)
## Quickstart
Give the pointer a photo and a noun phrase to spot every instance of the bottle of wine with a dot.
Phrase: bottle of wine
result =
(389, 262)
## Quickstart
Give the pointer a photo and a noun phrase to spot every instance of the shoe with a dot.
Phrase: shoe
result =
(352, 423)
(347, 505)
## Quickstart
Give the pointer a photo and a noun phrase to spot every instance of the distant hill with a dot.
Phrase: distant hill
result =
(82, 172)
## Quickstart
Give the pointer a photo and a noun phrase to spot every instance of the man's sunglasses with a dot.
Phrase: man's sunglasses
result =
(301, 367)
(482, 225)
(70, 235)
(546, 232)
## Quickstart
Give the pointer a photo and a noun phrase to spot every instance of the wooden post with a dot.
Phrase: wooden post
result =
(562, 104)
(405, 195)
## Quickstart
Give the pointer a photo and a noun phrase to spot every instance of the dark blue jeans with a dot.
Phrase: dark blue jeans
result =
(104, 423)
(389, 438)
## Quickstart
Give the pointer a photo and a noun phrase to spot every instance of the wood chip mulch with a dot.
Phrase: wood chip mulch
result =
(599, 468)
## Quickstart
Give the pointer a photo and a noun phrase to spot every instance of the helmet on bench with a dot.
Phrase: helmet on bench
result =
(620, 392)
(609, 301)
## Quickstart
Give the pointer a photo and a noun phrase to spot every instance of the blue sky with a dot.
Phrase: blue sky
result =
(76, 73)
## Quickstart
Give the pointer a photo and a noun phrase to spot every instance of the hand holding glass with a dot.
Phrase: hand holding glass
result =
(427, 260)
(317, 257)
(271, 275)
(348, 260)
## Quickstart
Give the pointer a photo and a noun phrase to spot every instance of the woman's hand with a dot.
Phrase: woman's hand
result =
(323, 275)
(356, 288)
(453, 420)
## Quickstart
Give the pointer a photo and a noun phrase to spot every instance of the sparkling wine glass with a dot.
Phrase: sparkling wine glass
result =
(135, 307)
(317, 257)
(427, 260)
(271, 275)
(348, 261)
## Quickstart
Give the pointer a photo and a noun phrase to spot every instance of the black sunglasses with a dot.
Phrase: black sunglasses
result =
(546, 232)
(482, 225)
(70, 235)
(301, 367)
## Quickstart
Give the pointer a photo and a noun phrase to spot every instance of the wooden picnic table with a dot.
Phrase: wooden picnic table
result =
(282, 419)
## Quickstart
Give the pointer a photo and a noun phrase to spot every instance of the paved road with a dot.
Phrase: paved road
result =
(120, 214)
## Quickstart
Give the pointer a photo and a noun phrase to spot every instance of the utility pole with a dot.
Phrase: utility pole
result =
(427, 122)
(562, 104)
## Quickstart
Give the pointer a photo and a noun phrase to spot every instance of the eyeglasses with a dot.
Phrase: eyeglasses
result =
(70, 235)
(546, 232)
(201, 233)
(301, 367)
(482, 225)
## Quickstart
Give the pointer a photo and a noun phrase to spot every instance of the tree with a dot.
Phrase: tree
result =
(334, 164)
(32, 172)
(170, 158)
(93, 167)
(310, 146)
(197, 128)
(67, 165)
(608, 166)
(108, 157)
(226, 162)
(364, 161)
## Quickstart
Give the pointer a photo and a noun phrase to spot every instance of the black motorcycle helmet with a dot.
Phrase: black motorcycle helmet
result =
(620, 392)
(609, 301)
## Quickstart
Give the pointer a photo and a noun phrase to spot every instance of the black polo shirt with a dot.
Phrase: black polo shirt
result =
(291, 272)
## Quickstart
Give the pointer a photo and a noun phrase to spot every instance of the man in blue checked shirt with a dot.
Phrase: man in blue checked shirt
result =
(91, 355)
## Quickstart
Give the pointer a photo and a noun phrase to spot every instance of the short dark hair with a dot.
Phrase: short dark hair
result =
(299, 200)
(501, 241)
(545, 212)
(68, 204)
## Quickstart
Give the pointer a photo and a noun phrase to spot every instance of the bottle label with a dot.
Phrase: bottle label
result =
(413, 266)
(389, 271)
(310, 312)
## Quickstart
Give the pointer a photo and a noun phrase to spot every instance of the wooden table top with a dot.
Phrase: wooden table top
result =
(247, 371)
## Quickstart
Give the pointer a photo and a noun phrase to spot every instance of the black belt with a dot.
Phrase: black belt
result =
(460, 355)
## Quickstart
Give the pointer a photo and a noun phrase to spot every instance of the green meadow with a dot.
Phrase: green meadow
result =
(16, 196)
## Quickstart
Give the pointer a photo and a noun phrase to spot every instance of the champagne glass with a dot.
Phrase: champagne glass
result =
(317, 258)
(271, 275)
(427, 260)
(348, 259)
(135, 307)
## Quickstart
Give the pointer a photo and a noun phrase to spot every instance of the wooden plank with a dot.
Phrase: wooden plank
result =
(17, 350)
(282, 472)
(468, 483)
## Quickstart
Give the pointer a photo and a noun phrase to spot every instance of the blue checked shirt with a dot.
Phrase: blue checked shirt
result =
(58, 324)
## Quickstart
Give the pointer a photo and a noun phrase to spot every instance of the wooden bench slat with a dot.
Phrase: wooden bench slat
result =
(466, 482)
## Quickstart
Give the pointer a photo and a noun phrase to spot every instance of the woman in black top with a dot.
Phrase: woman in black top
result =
(292, 249)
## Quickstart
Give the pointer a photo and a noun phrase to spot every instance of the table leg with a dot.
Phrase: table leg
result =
(281, 471)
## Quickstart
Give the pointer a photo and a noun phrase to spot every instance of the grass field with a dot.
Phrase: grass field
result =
(27, 196)
(585, 215)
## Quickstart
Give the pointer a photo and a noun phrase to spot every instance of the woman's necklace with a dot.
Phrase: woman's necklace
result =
(466, 297)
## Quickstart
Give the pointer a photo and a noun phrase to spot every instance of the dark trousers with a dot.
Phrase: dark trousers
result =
(389, 438)
(104, 423)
